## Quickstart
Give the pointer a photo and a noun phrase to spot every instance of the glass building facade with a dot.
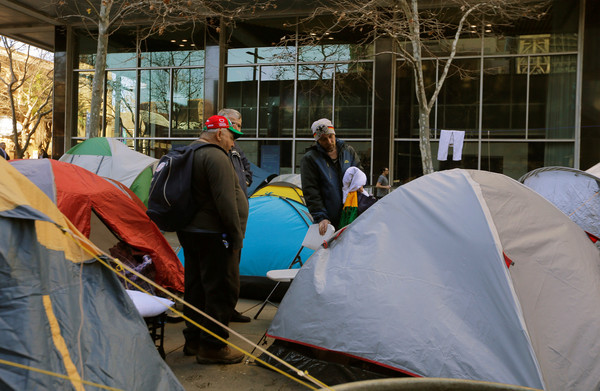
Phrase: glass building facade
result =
(517, 93)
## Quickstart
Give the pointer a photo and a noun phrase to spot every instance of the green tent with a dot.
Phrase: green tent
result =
(111, 158)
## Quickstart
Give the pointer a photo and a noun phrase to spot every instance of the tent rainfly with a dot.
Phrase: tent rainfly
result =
(111, 158)
(104, 212)
(420, 284)
(67, 323)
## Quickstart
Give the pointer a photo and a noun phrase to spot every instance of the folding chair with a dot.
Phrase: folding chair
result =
(312, 240)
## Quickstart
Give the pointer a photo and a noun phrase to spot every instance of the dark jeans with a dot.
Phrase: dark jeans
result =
(212, 284)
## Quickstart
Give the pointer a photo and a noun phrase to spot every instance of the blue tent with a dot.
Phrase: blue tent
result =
(274, 234)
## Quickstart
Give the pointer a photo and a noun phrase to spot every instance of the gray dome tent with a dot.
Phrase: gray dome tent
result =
(574, 192)
(419, 284)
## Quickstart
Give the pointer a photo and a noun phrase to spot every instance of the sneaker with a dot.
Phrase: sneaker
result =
(237, 317)
(223, 355)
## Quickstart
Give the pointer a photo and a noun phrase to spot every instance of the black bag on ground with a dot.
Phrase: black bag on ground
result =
(171, 204)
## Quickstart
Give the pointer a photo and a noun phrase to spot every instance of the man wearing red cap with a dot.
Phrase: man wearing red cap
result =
(211, 243)
(322, 168)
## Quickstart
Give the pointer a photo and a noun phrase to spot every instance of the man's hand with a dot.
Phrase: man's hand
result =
(323, 226)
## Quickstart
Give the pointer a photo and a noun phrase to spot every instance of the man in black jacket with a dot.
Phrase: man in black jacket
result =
(322, 168)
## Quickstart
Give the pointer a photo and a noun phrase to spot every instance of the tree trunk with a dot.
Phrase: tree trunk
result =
(424, 144)
(94, 117)
(11, 97)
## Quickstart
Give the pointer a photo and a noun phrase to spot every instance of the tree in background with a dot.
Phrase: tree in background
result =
(104, 17)
(418, 29)
(26, 96)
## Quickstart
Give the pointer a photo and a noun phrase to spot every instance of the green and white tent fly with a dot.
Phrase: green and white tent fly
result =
(66, 323)
(109, 157)
(458, 274)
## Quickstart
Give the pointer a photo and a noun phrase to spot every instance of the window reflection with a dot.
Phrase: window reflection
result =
(554, 99)
(173, 58)
(407, 162)
(458, 101)
(241, 94)
(120, 104)
(504, 98)
(327, 53)
(121, 56)
(188, 102)
(274, 156)
(84, 99)
(261, 55)
(158, 148)
(276, 101)
(407, 108)
(154, 103)
(315, 95)
(353, 99)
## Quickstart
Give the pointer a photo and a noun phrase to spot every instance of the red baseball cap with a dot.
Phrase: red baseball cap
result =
(217, 122)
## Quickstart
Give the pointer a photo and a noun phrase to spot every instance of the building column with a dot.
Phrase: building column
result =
(590, 91)
(385, 64)
(59, 101)
(213, 68)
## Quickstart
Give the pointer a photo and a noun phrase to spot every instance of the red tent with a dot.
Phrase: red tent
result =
(104, 211)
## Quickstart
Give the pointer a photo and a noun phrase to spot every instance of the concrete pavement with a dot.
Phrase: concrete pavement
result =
(240, 377)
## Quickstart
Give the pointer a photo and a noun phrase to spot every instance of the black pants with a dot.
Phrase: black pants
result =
(212, 284)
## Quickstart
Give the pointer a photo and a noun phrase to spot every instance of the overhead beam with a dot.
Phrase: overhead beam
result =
(21, 28)
(29, 12)
(28, 40)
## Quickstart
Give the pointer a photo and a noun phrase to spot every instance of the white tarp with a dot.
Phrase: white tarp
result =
(419, 283)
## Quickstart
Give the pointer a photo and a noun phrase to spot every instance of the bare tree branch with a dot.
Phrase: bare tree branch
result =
(27, 94)
(418, 28)
(104, 17)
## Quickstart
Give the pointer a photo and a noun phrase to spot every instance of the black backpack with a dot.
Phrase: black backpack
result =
(171, 204)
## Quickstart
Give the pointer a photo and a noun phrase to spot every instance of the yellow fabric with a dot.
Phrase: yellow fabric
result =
(61, 346)
(350, 209)
(351, 200)
(292, 193)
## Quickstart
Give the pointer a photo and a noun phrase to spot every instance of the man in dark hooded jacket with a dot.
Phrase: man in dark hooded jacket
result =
(322, 169)
(242, 169)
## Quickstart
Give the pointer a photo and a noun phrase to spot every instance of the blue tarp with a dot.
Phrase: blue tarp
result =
(260, 177)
